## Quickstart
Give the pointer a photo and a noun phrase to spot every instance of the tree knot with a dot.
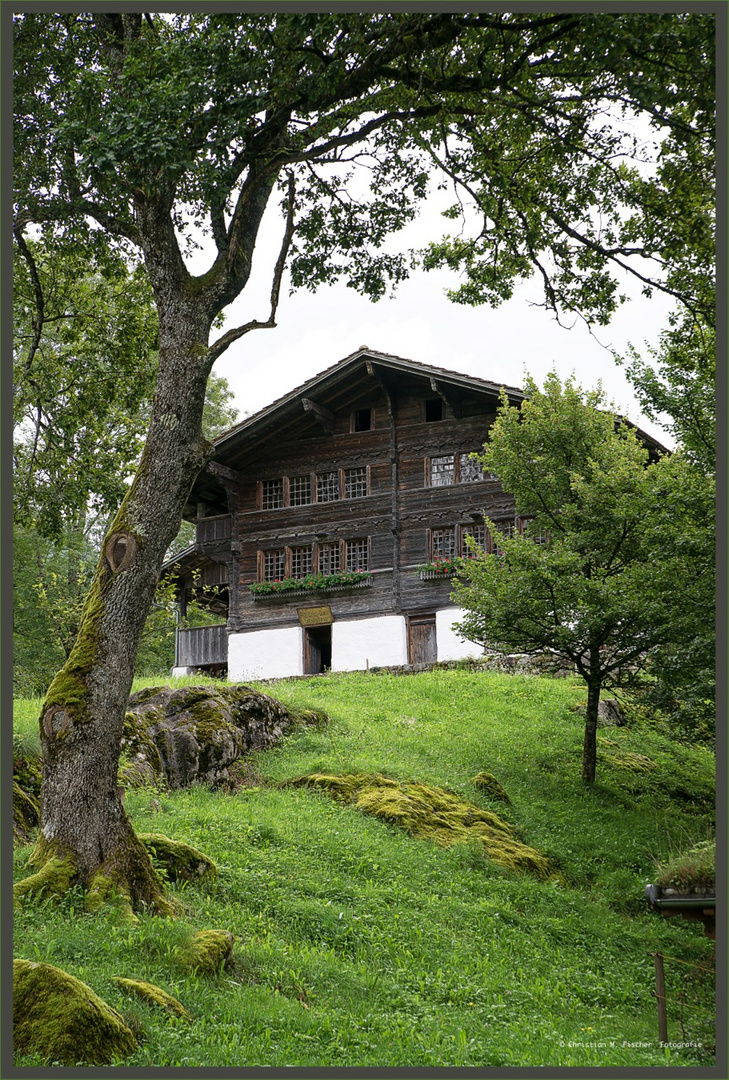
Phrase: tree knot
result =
(120, 550)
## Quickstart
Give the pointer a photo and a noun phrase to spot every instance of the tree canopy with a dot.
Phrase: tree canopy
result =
(596, 579)
(531, 118)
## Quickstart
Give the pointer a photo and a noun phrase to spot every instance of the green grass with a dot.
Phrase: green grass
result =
(357, 945)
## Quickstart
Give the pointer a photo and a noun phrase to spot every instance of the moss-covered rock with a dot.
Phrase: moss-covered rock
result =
(26, 814)
(430, 813)
(193, 734)
(487, 783)
(154, 995)
(207, 951)
(62, 1020)
(179, 861)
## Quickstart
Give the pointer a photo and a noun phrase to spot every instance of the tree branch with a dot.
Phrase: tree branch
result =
(39, 318)
(219, 347)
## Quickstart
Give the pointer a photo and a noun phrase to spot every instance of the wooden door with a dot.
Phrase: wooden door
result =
(422, 648)
(317, 649)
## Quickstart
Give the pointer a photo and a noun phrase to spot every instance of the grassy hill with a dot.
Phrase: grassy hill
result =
(360, 945)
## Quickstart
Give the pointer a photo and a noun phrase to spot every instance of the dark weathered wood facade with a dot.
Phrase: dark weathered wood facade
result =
(366, 467)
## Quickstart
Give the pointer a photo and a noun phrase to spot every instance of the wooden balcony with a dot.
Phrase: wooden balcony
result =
(213, 530)
(202, 646)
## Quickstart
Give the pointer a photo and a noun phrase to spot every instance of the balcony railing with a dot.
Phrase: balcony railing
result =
(199, 646)
(212, 529)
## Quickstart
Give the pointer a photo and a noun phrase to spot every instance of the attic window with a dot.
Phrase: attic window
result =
(433, 410)
(362, 420)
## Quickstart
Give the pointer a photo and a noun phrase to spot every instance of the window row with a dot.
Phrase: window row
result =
(450, 469)
(335, 484)
(322, 558)
(451, 541)
(321, 487)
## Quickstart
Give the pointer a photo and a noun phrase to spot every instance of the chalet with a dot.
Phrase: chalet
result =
(325, 523)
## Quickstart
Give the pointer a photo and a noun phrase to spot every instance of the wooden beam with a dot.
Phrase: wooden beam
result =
(448, 395)
(324, 416)
(223, 472)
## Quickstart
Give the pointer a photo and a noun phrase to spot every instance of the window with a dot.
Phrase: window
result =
(272, 494)
(470, 469)
(443, 543)
(501, 528)
(526, 525)
(478, 532)
(433, 410)
(362, 420)
(327, 486)
(301, 562)
(300, 490)
(274, 564)
(456, 469)
(329, 558)
(442, 471)
(355, 482)
(358, 554)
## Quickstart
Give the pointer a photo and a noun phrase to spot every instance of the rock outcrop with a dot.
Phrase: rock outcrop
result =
(194, 734)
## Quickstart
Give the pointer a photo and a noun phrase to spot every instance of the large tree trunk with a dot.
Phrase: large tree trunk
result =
(84, 829)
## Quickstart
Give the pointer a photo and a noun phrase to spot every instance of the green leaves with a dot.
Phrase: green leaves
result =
(623, 570)
(532, 120)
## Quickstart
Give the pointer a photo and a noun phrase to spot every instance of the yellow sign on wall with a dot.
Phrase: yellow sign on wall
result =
(315, 616)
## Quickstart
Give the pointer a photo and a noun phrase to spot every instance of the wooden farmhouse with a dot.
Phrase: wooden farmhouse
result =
(325, 522)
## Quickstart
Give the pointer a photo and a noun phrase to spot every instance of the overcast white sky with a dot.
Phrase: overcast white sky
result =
(316, 330)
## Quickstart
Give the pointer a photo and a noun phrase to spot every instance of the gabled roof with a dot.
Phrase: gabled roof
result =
(343, 371)
(243, 441)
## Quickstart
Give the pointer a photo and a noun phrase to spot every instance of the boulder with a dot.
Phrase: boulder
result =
(61, 1019)
(207, 952)
(193, 734)
(609, 713)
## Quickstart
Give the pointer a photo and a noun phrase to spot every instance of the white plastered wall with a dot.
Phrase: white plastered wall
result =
(376, 642)
(266, 654)
(451, 646)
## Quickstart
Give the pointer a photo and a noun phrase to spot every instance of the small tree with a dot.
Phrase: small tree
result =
(582, 582)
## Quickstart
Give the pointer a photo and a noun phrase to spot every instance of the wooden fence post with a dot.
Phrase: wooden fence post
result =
(660, 993)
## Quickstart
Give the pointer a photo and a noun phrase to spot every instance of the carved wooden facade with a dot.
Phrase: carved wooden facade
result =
(353, 483)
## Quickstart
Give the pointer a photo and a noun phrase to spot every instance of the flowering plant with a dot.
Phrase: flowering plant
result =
(446, 565)
(311, 582)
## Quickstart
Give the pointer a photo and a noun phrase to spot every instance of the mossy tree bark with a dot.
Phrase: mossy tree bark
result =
(83, 714)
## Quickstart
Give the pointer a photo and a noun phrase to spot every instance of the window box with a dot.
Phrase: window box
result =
(303, 586)
(443, 568)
